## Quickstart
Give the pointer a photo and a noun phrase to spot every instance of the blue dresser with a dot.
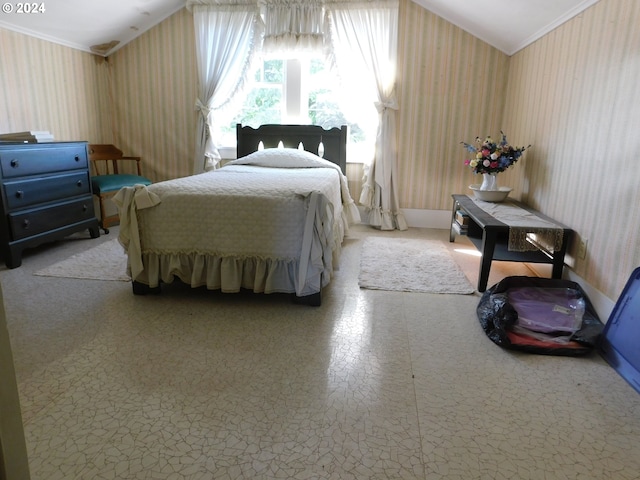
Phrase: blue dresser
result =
(46, 195)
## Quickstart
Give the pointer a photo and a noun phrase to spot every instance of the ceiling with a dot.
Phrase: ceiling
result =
(82, 24)
(103, 26)
(508, 25)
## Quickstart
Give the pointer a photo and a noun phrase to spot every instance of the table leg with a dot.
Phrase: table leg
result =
(452, 233)
(558, 257)
(558, 264)
(488, 247)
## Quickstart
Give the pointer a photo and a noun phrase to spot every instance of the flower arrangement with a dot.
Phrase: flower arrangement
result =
(492, 157)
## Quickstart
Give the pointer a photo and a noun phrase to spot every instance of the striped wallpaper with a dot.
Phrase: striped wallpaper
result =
(44, 86)
(450, 89)
(574, 95)
(571, 94)
(154, 83)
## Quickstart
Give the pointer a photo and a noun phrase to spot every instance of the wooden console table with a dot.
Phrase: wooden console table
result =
(491, 238)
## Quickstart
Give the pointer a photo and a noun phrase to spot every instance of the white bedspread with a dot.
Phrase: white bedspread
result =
(262, 228)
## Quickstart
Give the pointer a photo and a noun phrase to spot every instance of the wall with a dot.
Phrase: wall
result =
(574, 95)
(44, 86)
(154, 97)
(450, 89)
(141, 98)
(14, 464)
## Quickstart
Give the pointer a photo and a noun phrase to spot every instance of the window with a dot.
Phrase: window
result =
(300, 91)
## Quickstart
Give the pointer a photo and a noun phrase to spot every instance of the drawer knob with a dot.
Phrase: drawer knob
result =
(77, 158)
(85, 208)
(15, 163)
(26, 223)
(19, 194)
(79, 183)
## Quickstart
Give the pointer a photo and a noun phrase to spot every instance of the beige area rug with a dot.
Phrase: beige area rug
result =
(410, 265)
(107, 261)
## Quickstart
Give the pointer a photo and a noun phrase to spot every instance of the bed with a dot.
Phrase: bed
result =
(272, 221)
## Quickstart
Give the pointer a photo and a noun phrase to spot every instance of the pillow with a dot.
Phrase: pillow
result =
(283, 158)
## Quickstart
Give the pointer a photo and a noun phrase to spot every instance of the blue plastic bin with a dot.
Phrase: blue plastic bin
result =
(620, 341)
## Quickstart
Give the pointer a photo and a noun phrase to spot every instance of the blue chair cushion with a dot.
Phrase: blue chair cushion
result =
(110, 183)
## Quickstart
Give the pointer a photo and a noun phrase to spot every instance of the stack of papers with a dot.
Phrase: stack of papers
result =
(31, 136)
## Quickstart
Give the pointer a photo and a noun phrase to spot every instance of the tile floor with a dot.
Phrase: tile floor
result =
(371, 385)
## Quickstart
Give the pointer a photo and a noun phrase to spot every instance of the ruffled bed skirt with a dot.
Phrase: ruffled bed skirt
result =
(261, 274)
(231, 274)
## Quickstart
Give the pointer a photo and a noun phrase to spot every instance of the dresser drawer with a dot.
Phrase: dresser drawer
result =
(23, 193)
(38, 220)
(42, 160)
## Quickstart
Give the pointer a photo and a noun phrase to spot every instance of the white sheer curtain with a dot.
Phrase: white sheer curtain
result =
(228, 32)
(364, 42)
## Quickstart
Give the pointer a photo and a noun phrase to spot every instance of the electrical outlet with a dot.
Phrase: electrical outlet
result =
(582, 248)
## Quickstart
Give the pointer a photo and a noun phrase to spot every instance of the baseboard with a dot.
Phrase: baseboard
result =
(428, 218)
(420, 218)
(603, 304)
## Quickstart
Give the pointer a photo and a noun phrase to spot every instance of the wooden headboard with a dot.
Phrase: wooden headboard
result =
(334, 140)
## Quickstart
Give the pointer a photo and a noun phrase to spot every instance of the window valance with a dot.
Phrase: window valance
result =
(291, 25)
(222, 5)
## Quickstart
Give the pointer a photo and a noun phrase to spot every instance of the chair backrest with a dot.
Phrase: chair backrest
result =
(106, 153)
(110, 155)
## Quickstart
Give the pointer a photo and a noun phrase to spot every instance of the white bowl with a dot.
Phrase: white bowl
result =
(490, 195)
